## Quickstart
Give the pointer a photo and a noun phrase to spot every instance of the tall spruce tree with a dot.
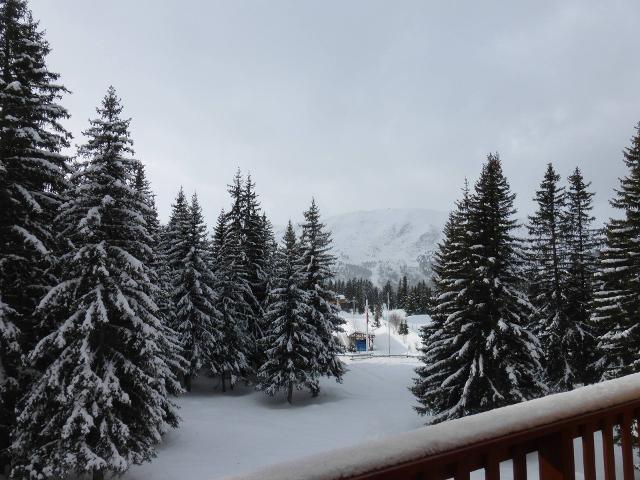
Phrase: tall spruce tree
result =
(437, 386)
(101, 403)
(239, 244)
(159, 276)
(561, 337)
(318, 262)
(32, 178)
(479, 354)
(290, 341)
(582, 242)
(617, 296)
(230, 358)
(196, 319)
(255, 253)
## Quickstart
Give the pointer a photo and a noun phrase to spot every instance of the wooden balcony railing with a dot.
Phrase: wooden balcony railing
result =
(454, 449)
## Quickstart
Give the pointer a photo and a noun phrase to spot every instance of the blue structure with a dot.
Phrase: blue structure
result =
(361, 345)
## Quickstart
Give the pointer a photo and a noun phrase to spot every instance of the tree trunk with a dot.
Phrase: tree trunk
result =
(98, 475)
(187, 381)
(290, 393)
(224, 385)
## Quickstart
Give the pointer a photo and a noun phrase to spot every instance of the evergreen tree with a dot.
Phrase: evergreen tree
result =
(388, 296)
(290, 341)
(437, 385)
(32, 178)
(582, 242)
(196, 321)
(478, 354)
(403, 329)
(617, 297)
(255, 247)
(561, 338)
(245, 269)
(101, 403)
(402, 296)
(230, 357)
(160, 278)
(9, 359)
(317, 263)
(377, 315)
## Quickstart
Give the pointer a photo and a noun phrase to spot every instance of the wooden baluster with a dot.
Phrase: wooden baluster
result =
(555, 457)
(607, 450)
(588, 452)
(492, 470)
(519, 464)
(462, 471)
(627, 446)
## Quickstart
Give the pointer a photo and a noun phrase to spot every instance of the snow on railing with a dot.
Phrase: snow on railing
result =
(455, 448)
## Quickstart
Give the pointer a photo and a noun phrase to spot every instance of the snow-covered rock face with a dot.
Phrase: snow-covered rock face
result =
(385, 244)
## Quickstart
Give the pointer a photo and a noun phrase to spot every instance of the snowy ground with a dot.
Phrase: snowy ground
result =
(226, 434)
(229, 433)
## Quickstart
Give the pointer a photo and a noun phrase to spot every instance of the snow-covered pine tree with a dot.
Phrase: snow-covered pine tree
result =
(159, 275)
(506, 356)
(478, 354)
(617, 295)
(245, 268)
(440, 381)
(9, 357)
(403, 293)
(377, 315)
(32, 177)
(318, 262)
(230, 357)
(255, 254)
(560, 337)
(290, 341)
(270, 249)
(101, 403)
(196, 319)
(403, 329)
(582, 242)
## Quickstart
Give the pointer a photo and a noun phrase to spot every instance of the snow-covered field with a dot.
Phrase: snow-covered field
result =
(229, 433)
(242, 431)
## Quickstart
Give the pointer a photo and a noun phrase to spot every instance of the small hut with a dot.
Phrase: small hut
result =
(358, 341)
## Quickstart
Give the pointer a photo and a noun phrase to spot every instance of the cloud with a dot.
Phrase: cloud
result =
(363, 104)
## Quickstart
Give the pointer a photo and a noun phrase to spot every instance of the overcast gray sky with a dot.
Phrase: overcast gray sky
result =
(363, 104)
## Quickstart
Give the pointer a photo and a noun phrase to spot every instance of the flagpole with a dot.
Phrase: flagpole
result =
(388, 323)
(366, 316)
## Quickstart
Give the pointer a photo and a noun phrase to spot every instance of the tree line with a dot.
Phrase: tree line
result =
(517, 318)
(105, 313)
(414, 299)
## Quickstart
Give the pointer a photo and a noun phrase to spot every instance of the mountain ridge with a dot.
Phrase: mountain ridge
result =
(385, 244)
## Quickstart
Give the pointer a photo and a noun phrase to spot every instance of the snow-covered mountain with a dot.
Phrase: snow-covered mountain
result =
(385, 244)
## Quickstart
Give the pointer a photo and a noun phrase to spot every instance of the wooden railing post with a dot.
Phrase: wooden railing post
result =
(519, 463)
(607, 450)
(588, 452)
(462, 471)
(492, 469)
(627, 446)
(555, 457)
